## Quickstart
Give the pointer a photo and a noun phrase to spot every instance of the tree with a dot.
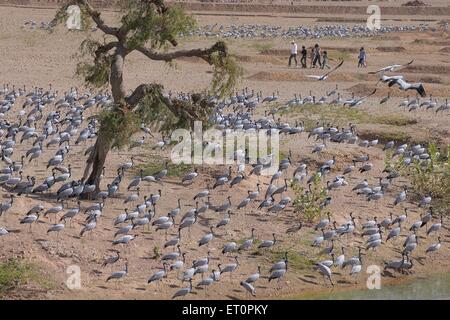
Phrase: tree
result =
(151, 28)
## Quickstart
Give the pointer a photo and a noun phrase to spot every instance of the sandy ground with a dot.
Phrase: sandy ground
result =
(34, 58)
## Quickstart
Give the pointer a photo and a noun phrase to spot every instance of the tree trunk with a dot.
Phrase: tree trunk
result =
(97, 160)
(116, 78)
(103, 143)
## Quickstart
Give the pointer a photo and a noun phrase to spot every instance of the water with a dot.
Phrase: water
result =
(433, 288)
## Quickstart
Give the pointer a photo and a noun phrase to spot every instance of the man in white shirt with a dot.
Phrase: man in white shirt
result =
(293, 53)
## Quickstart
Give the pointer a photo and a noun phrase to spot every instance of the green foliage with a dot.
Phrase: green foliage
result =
(149, 23)
(156, 164)
(427, 176)
(225, 74)
(256, 243)
(118, 127)
(88, 47)
(14, 273)
(152, 110)
(308, 204)
(156, 253)
(61, 17)
(94, 74)
(93, 69)
(145, 25)
(296, 261)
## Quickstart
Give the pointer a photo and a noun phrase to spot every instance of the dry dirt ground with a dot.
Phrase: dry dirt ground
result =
(34, 58)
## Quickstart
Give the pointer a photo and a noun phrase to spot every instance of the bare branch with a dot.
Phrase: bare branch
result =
(205, 54)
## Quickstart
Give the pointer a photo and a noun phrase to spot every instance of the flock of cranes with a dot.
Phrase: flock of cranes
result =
(334, 97)
(46, 126)
(303, 32)
(270, 31)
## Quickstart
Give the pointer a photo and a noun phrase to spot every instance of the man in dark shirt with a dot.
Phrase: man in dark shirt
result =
(303, 59)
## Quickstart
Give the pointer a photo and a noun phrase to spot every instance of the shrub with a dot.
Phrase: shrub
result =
(156, 253)
(14, 273)
(430, 176)
(309, 204)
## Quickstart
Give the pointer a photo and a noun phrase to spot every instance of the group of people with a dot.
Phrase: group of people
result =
(318, 57)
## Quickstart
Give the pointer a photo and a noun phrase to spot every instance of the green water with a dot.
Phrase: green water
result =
(433, 288)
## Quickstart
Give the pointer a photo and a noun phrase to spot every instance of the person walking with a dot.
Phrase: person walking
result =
(325, 60)
(313, 56)
(317, 55)
(293, 53)
(362, 58)
(303, 59)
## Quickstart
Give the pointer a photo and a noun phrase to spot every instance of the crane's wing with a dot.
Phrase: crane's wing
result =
(314, 77)
(399, 77)
(419, 88)
(383, 78)
(335, 68)
(396, 66)
(401, 82)
(393, 82)
(387, 79)
(385, 69)
(378, 71)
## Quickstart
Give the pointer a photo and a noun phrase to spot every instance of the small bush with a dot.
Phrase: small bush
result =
(156, 253)
(296, 261)
(308, 204)
(156, 164)
(14, 273)
(430, 176)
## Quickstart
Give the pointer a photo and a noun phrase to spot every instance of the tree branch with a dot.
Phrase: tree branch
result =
(194, 109)
(94, 14)
(160, 8)
(205, 54)
(142, 90)
(105, 48)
